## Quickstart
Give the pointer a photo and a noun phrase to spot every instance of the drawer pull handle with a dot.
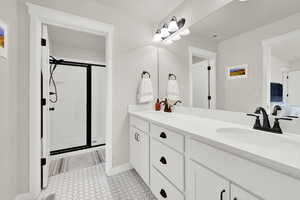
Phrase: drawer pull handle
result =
(221, 195)
(163, 160)
(163, 135)
(163, 193)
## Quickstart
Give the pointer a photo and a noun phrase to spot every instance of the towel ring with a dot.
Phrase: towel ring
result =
(172, 75)
(145, 73)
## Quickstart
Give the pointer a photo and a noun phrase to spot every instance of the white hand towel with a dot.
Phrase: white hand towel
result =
(173, 90)
(145, 93)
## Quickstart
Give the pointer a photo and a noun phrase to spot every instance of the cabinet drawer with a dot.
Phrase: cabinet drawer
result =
(259, 180)
(162, 189)
(168, 137)
(169, 162)
(140, 124)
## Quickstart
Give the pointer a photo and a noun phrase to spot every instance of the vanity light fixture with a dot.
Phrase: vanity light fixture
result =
(171, 31)
(157, 36)
(173, 26)
(164, 31)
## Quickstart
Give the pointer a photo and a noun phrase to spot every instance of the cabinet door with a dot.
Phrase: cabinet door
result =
(139, 153)
(239, 194)
(205, 185)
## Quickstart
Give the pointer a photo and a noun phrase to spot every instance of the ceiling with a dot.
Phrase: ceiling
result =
(287, 50)
(151, 10)
(76, 39)
(239, 17)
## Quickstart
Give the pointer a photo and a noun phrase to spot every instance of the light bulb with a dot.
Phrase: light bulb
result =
(164, 31)
(185, 32)
(173, 26)
(157, 36)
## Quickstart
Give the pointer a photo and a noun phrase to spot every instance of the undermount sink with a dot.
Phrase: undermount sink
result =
(249, 136)
(238, 131)
(255, 137)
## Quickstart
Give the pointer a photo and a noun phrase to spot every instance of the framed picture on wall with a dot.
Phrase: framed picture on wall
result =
(3, 40)
(237, 71)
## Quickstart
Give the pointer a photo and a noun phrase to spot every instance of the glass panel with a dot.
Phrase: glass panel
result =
(68, 121)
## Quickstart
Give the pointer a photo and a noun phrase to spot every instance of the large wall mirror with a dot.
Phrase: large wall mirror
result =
(230, 40)
(284, 68)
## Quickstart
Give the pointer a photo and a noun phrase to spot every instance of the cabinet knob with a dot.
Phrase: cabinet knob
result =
(221, 194)
(163, 193)
(163, 135)
(163, 160)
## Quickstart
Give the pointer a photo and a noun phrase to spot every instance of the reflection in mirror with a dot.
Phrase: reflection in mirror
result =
(285, 76)
(202, 70)
(236, 33)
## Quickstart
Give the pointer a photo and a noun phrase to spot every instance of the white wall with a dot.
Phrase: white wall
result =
(73, 44)
(245, 95)
(61, 51)
(9, 162)
(277, 69)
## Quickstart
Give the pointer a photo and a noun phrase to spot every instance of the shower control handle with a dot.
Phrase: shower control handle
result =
(51, 109)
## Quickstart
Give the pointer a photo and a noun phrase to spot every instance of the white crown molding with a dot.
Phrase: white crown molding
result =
(63, 19)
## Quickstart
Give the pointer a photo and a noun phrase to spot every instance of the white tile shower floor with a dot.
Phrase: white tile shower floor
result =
(91, 183)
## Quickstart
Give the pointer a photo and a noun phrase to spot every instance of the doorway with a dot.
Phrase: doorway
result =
(202, 72)
(40, 17)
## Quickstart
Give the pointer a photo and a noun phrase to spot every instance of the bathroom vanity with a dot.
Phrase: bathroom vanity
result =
(182, 156)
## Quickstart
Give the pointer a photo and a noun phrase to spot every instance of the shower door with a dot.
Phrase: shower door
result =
(69, 115)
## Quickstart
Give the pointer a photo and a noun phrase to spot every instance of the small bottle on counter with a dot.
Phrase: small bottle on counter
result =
(157, 105)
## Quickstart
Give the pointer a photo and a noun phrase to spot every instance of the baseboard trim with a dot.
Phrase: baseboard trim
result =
(119, 169)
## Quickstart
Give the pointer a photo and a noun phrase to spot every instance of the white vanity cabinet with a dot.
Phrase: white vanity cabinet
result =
(139, 148)
(179, 165)
(204, 184)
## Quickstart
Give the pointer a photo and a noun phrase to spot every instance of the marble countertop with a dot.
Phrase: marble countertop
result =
(279, 152)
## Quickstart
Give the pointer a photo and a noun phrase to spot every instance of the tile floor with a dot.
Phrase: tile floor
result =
(91, 183)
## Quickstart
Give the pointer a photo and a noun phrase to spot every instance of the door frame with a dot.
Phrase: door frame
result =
(204, 54)
(40, 15)
(267, 57)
